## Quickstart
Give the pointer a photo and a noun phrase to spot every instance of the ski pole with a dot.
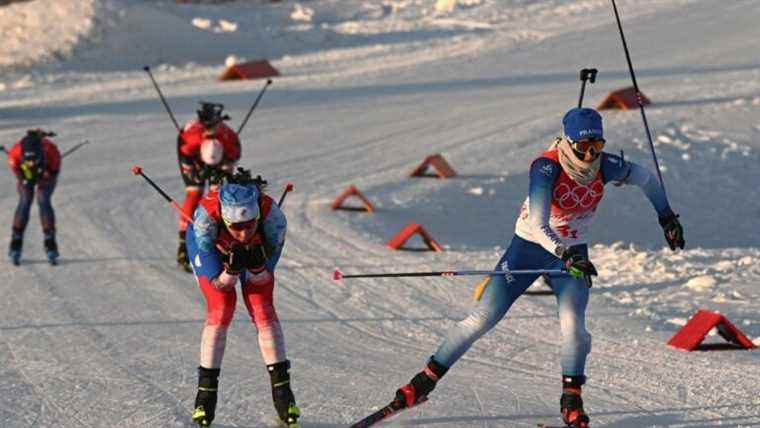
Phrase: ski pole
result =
(338, 275)
(75, 148)
(288, 189)
(253, 107)
(136, 170)
(163, 100)
(638, 96)
(586, 74)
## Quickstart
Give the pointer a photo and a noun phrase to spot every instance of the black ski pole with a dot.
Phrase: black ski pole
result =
(136, 170)
(163, 100)
(638, 96)
(75, 148)
(338, 275)
(253, 107)
(288, 189)
(586, 74)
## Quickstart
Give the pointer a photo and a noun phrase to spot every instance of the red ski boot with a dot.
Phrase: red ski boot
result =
(422, 384)
(571, 403)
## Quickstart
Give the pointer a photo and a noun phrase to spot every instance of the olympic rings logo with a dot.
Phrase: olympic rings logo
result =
(579, 196)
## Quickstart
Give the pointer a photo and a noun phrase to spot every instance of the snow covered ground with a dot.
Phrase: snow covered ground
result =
(110, 337)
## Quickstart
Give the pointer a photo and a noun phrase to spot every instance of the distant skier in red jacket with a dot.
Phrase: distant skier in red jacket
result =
(207, 149)
(36, 162)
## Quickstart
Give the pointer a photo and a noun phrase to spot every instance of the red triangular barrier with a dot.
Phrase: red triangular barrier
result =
(623, 99)
(352, 191)
(410, 229)
(438, 163)
(693, 333)
(249, 70)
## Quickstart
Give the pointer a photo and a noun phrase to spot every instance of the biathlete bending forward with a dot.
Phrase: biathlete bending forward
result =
(237, 234)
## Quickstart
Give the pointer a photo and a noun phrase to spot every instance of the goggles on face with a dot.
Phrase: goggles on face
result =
(245, 225)
(584, 146)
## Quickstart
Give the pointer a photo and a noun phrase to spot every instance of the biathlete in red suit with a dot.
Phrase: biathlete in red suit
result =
(206, 150)
(238, 234)
(36, 163)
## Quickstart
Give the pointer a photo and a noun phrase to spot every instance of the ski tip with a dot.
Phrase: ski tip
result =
(136, 170)
(337, 275)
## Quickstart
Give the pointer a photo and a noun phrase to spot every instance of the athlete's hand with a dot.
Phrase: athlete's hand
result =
(245, 257)
(578, 265)
(237, 259)
(673, 231)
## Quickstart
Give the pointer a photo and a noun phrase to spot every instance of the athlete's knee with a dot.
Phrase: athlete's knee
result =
(264, 315)
(220, 309)
(480, 321)
(574, 331)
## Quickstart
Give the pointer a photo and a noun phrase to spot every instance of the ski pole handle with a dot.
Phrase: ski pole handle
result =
(288, 189)
(163, 100)
(338, 275)
(253, 107)
(586, 74)
(136, 170)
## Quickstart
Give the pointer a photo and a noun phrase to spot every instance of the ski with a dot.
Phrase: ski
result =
(384, 413)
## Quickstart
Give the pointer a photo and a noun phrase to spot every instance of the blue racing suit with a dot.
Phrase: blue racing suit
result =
(557, 212)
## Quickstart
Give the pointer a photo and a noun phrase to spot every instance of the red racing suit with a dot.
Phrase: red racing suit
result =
(208, 243)
(194, 172)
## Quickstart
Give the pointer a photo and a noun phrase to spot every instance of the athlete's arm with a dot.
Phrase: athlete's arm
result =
(618, 170)
(543, 174)
(275, 227)
(206, 230)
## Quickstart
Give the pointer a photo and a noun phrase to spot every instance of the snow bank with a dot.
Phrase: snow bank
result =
(43, 29)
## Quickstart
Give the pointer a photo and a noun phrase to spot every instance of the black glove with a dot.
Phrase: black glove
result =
(245, 257)
(673, 231)
(578, 265)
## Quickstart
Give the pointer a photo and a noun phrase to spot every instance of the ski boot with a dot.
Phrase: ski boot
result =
(571, 403)
(282, 395)
(14, 251)
(422, 384)
(205, 400)
(182, 259)
(51, 248)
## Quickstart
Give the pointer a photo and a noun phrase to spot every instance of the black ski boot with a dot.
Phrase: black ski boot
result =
(422, 384)
(14, 250)
(282, 395)
(182, 258)
(571, 403)
(205, 400)
(51, 248)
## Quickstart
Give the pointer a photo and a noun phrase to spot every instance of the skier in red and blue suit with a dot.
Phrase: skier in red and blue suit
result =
(566, 185)
(238, 234)
(207, 149)
(36, 163)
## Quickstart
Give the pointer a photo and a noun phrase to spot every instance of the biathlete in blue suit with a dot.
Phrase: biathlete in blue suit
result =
(566, 185)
